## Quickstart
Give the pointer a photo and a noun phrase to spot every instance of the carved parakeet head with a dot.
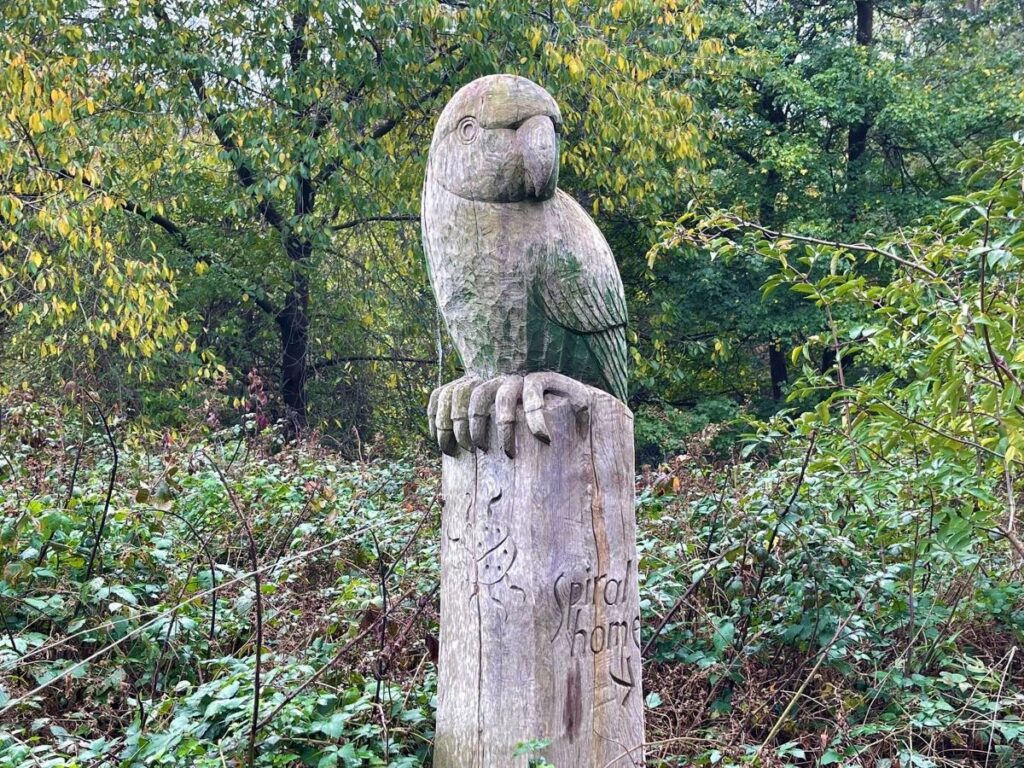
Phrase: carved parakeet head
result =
(497, 141)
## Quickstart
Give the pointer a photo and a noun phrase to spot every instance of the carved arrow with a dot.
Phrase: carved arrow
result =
(629, 684)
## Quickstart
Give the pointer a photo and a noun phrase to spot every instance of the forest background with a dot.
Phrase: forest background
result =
(218, 507)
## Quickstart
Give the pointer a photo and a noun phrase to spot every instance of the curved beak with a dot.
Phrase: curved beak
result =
(538, 144)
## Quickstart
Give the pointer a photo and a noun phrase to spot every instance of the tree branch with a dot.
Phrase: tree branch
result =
(370, 219)
(384, 127)
(243, 170)
(129, 205)
(335, 361)
(860, 247)
(174, 230)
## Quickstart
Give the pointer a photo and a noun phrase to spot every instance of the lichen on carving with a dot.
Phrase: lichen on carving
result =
(524, 279)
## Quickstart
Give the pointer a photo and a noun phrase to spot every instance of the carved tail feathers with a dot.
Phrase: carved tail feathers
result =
(580, 291)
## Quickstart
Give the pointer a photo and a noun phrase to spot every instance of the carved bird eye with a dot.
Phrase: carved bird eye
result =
(468, 129)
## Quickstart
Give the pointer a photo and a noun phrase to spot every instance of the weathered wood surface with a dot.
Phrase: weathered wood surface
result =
(523, 277)
(540, 618)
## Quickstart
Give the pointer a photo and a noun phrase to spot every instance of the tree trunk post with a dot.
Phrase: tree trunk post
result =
(540, 615)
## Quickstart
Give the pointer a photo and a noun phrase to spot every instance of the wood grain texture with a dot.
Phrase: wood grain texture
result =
(524, 278)
(540, 618)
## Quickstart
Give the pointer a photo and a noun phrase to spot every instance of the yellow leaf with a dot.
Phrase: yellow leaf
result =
(535, 36)
(575, 67)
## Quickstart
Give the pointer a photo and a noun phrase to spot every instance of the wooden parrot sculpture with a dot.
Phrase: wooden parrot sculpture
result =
(524, 279)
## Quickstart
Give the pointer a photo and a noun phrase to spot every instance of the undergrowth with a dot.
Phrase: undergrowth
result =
(804, 615)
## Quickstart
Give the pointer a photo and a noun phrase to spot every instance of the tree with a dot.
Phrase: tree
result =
(71, 274)
(251, 141)
(834, 120)
(923, 322)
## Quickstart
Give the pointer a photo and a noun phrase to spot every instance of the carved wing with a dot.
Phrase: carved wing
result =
(581, 292)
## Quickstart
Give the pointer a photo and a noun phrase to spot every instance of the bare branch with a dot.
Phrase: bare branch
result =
(773, 234)
(370, 219)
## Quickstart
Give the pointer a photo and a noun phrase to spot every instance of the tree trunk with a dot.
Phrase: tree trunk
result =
(540, 612)
(293, 323)
(857, 140)
(776, 116)
(777, 367)
(865, 21)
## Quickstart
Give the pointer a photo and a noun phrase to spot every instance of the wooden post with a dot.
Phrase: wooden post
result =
(540, 616)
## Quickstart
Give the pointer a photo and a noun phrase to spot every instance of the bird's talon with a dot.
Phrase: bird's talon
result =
(505, 403)
(446, 441)
(481, 402)
(432, 414)
(459, 412)
(507, 437)
(447, 414)
(538, 425)
(462, 392)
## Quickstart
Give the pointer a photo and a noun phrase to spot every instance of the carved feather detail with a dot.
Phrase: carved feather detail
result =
(524, 278)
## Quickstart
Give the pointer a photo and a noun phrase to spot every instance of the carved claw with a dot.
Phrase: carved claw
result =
(460, 410)
(533, 405)
(432, 413)
(447, 414)
(462, 391)
(480, 405)
(505, 403)
(536, 385)
(443, 421)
